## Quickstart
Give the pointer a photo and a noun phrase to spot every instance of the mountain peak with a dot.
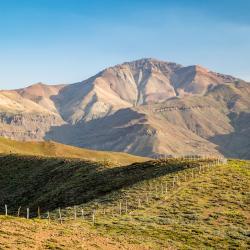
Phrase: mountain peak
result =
(200, 68)
(149, 61)
(44, 85)
(39, 84)
(146, 60)
(40, 90)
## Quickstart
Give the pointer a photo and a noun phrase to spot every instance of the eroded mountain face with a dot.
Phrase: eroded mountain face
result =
(146, 107)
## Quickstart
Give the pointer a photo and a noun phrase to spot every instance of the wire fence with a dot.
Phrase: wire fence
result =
(150, 194)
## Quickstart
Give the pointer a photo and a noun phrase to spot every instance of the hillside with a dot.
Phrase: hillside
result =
(145, 107)
(208, 211)
(161, 204)
(52, 182)
(41, 235)
(141, 132)
(53, 149)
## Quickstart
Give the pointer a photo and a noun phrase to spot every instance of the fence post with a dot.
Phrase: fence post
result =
(120, 208)
(75, 212)
(28, 213)
(18, 211)
(82, 214)
(126, 207)
(6, 210)
(48, 217)
(60, 215)
(93, 217)
(38, 213)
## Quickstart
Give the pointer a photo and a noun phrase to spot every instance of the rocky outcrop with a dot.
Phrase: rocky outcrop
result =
(27, 126)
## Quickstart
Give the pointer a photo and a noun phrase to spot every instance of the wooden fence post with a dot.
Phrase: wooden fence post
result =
(60, 215)
(28, 213)
(48, 217)
(6, 210)
(93, 217)
(18, 211)
(75, 212)
(126, 207)
(120, 208)
(38, 213)
(82, 213)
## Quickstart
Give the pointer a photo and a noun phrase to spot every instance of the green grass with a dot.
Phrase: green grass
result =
(50, 183)
(22, 234)
(209, 210)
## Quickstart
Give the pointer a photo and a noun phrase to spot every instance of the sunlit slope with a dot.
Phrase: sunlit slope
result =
(53, 149)
(173, 204)
(22, 234)
(209, 210)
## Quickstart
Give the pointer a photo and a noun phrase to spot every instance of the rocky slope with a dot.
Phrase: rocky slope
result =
(145, 107)
(145, 81)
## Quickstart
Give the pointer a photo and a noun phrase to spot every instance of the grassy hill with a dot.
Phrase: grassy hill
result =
(210, 211)
(56, 182)
(53, 149)
(163, 204)
(22, 234)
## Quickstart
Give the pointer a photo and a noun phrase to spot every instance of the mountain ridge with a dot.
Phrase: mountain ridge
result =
(76, 113)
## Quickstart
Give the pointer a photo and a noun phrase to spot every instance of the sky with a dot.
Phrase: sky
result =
(66, 41)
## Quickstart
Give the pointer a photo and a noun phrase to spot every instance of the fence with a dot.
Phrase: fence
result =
(123, 207)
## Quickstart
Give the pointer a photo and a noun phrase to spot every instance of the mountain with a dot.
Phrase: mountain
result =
(41, 94)
(141, 82)
(27, 114)
(145, 107)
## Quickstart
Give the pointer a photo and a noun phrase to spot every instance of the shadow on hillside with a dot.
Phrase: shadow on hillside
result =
(237, 143)
(52, 183)
(115, 132)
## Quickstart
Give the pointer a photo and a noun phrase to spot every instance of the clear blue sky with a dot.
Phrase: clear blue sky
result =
(65, 41)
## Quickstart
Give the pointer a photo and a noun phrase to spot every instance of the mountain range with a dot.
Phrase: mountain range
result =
(145, 107)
